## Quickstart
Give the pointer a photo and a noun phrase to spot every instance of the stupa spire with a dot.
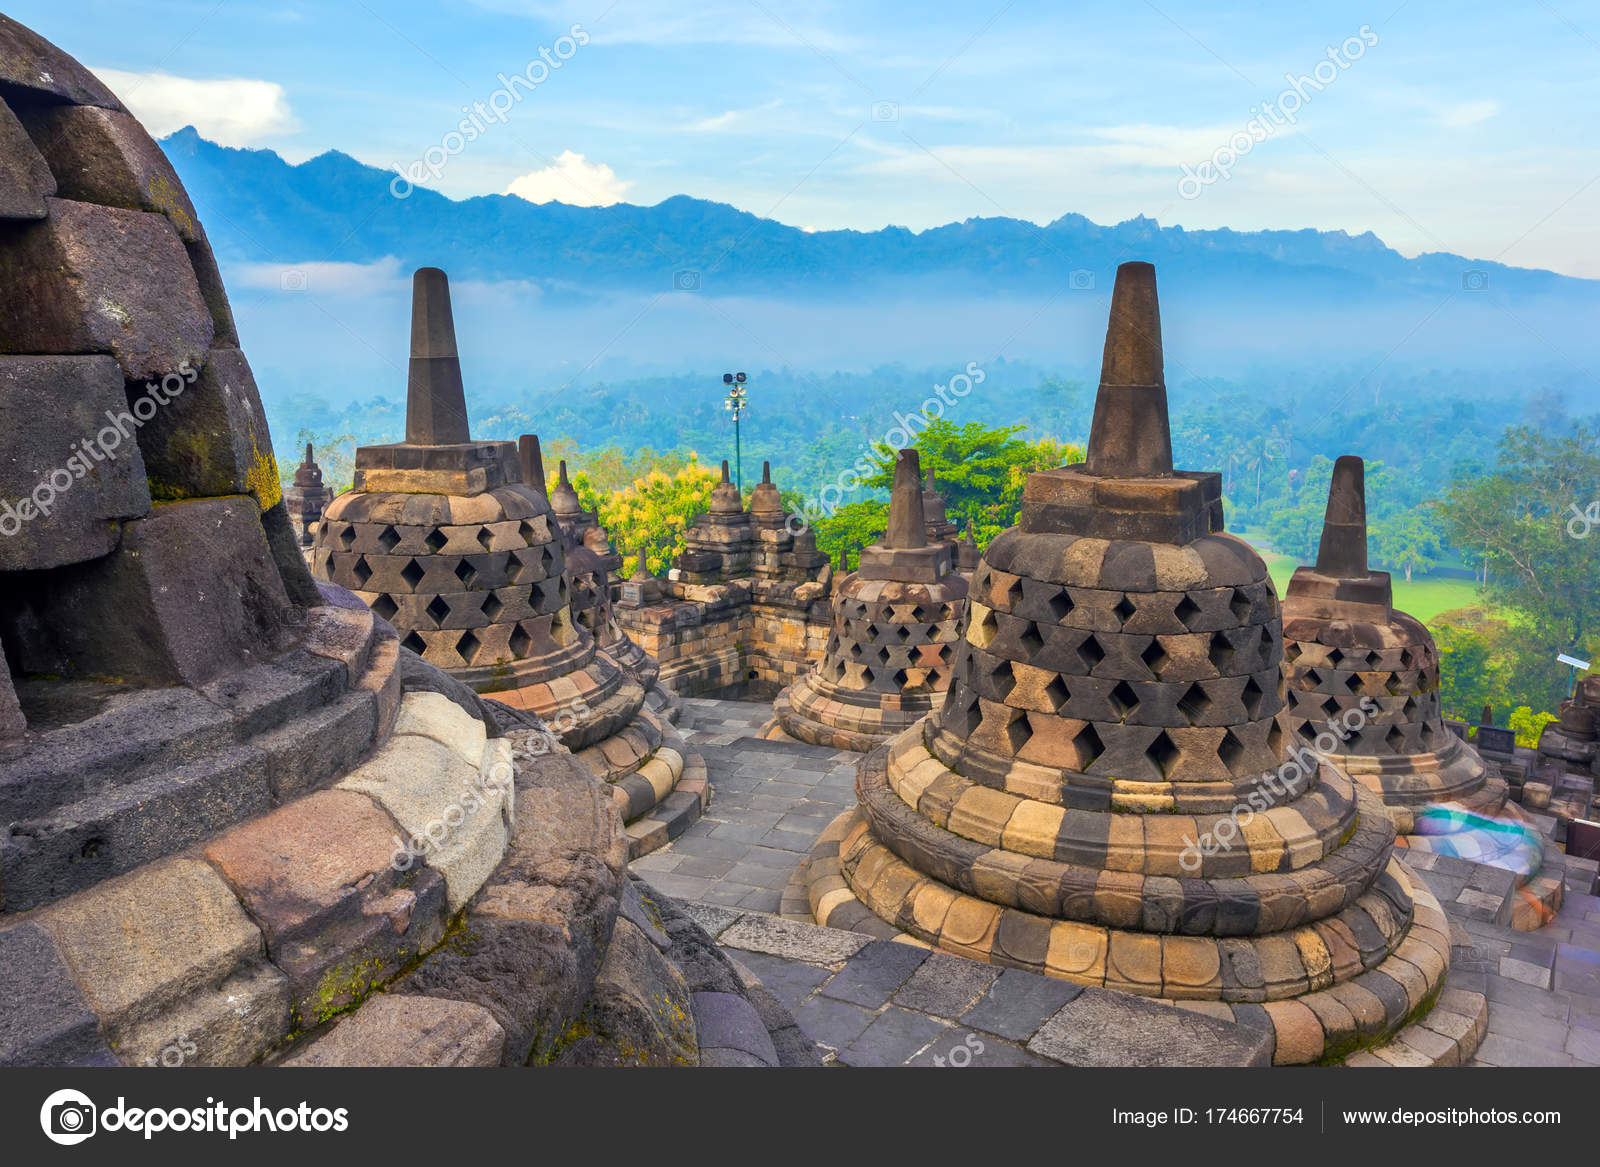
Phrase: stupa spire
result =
(531, 459)
(436, 403)
(1343, 551)
(1131, 435)
(905, 503)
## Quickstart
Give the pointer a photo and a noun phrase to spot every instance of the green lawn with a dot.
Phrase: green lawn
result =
(1423, 597)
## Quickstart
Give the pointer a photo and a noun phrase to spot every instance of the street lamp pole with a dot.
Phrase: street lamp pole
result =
(736, 403)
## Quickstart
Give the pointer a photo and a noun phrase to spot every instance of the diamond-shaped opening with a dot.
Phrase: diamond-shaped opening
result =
(1060, 605)
(1393, 684)
(1334, 657)
(1018, 732)
(527, 533)
(833, 643)
(1406, 658)
(415, 643)
(868, 676)
(1221, 651)
(1353, 682)
(1003, 680)
(1090, 653)
(466, 573)
(1230, 750)
(1029, 639)
(1266, 639)
(388, 539)
(902, 632)
(988, 627)
(1125, 609)
(1240, 605)
(1089, 747)
(919, 615)
(493, 606)
(899, 678)
(1123, 699)
(1330, 706)
(1427, 737)
(1162, 752)
(362, 570)
(1186, 610)
(347, 537)
(1195, 704)
(1313, 678)
(1291, 650)
(485, 538)
(412, 573)
(872, 632)
(1154, 657)
(855, 650)
(467, 647)
(520, 642)
(1372, 660)
(438, 609)
(1014, 595)
(943, 653)
(1409, 709)
(1395, 739)
(883, 656)
(980, 578)
(385, 607)
(1056, 693)
(436, 540)
(547, 559)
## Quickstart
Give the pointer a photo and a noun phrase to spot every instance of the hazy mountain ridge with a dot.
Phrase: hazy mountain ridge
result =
(259, 208)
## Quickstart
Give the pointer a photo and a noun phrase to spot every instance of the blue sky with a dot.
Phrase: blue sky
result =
(1459, 126)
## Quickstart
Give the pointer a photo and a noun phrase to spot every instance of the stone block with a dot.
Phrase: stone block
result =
(92, 279)
(1146, 1034)
(168, 952)
(32, 63)
(457, 823)
(342, 903)
(12, 722)
(190, 593)
(408, 1031)
(58, 503)
(211, 438)
(726, 1021)
(44, 1020)
(105, 156)
(25, 178)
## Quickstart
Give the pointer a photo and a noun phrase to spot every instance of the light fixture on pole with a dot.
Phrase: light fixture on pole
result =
(735, 403)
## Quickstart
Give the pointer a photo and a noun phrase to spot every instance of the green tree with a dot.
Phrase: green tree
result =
(1406, 540)
(1540, 563)
(852, 527)
(1471, 673)
(1528, 725)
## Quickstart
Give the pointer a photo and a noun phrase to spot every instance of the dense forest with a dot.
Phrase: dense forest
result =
(1468, 485)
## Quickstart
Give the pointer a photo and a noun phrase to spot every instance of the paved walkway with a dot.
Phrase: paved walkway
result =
(771, 801)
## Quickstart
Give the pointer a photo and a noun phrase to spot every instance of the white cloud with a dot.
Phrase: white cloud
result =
(317, 278)
(1468, 113)
(709, 22)
(238, 112)
(573, 180)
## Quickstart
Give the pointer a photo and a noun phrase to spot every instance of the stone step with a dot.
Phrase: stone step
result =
(1447, 1036)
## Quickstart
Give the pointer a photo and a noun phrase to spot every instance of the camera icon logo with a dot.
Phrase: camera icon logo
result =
(1474, 281)
(68, 1117)
(885, 111)
(686, 281)
(292, 280)
(1081, 280)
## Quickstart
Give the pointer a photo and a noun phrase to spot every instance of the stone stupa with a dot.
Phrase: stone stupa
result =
(308, 497)
(1109, 794)
(444, 539)
(1363, 670)
(897, 624)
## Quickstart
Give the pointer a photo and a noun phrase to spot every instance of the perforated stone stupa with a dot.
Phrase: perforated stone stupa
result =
(219, 780)
(1109, 793)
(897, 624)
(444, 539)
(1368, 673)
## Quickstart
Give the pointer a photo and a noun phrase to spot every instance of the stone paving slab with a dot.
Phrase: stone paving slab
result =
(774, 798)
